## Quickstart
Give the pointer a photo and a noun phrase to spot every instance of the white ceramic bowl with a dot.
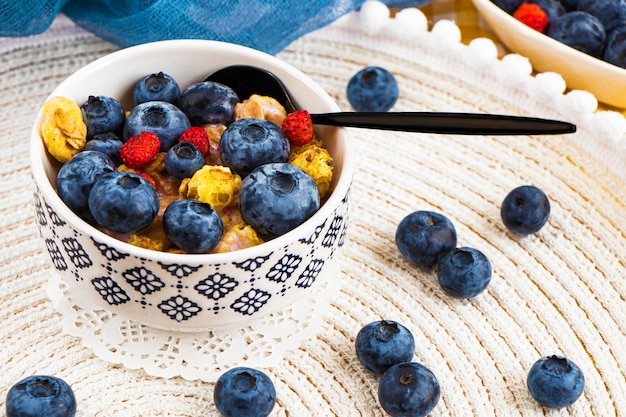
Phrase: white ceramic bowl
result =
(188, 292)
(579, 70)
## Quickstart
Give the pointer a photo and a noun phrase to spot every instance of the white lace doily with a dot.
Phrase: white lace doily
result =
(262, 342)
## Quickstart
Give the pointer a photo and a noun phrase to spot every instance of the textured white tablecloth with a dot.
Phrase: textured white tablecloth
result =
(560, 291)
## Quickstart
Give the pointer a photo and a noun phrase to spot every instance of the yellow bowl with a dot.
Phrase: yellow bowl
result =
(579, 70)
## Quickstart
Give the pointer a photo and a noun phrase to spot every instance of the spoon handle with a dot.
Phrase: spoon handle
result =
(450, 123)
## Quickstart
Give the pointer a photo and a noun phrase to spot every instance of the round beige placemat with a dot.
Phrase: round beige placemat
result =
(559, 291)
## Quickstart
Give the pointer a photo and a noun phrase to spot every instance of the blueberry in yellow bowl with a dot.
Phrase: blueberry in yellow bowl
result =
(145, 213)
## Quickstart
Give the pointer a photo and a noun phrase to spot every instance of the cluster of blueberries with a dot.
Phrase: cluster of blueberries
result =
(595, 27)
(426, 239)
(408, 388)
(125, 202)
(386, 348)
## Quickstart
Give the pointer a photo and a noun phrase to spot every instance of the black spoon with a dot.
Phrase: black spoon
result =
(247, 80)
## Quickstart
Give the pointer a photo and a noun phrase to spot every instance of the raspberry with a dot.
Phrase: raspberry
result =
(532, 15)
(140, 150)
(298, 127)
(197, 136)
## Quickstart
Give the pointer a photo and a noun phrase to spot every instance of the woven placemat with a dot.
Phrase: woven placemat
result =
(559, 291)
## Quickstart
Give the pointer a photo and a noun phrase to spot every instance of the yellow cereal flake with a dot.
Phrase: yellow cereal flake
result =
(157, 164)
(215, 133)
(215, 185)
(249, 109)
(231, 217)
(153, 237)
(62, 128)
(239, 236)
(261, 107)
(317, 162)
(299, 149)
(145, 242)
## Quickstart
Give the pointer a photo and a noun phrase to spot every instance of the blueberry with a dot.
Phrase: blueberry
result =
(424, 236)
(276, 198)
(384, 343)
(408, 389)
(107, 143)
(183, 159)
(553, 8)
(163, 119)
(249, 143)
(244, 391)
(209, 102)
(192, 225)
(508, 6)
(615, 50)
(611, 13)
(525, 210)
(156, 87)
(372, 89)
(123, 202)
(555, 381)
(570, 5)
(76, 178)
(41, 395)
(579, 30)
(464, 272)
(102, 114)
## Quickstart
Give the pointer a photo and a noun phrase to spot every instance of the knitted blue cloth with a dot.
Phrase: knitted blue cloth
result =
(267, 25)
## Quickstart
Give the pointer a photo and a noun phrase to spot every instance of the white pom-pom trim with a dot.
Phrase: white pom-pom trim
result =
(580, 102)
(410, 21)
(551, 83)
(447, 30)
(516, 66)
(610, 125)
(374, 16)
(483, 50)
